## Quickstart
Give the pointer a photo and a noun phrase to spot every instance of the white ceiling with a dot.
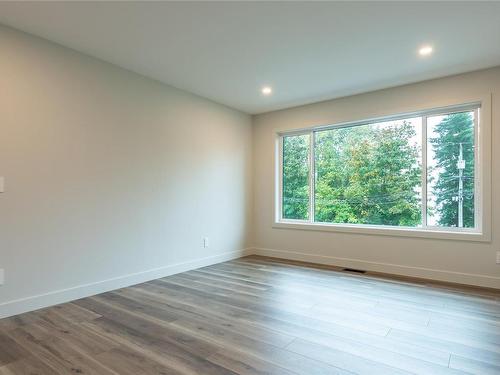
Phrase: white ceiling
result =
(306, 51)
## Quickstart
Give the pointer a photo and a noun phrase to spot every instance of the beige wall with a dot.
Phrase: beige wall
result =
(459, 261)
(111, 178)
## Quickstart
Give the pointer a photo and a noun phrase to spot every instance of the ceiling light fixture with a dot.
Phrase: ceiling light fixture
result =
(425, 51)
(266, 90)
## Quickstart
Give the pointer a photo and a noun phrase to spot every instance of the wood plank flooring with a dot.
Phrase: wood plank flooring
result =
(259, 315)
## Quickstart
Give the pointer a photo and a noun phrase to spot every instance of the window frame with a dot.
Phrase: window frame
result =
(482, 182)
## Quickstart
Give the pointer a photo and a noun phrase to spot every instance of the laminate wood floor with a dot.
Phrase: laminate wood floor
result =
(259, 315)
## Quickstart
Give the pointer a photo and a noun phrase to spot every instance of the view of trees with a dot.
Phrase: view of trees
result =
(368, 175)
(372, 174)
(448, 134)
(296, 177)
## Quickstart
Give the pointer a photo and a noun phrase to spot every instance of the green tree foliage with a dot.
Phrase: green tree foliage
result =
(296, 177)
(368, 175)
(453, 130)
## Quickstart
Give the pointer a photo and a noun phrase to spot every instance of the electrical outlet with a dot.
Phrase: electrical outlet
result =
(498, 257)
(2, 276)
(206, 243)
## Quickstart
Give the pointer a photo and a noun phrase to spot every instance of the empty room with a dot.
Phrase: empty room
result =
(249, 188)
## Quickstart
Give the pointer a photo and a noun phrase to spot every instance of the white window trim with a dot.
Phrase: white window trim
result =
(482, 132)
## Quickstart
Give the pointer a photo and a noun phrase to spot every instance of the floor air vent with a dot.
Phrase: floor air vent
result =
(353, 270)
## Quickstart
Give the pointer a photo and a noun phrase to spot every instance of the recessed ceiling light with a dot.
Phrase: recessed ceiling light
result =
(266, 90)
(425, 51)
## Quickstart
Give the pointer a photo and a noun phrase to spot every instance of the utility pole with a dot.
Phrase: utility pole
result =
(461, 167)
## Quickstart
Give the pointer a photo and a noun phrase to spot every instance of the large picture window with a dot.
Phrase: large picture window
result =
(414, 171)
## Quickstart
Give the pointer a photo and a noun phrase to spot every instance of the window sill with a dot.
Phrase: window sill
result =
(434, 233)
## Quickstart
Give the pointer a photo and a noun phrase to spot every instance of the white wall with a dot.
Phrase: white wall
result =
(111, 178)
(457, 261)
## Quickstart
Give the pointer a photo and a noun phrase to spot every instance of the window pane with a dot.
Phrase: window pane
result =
(369, 174)
(296, 177)
(450, 170)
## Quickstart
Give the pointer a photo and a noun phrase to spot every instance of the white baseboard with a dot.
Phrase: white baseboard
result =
(396, 269)
(31, 303)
